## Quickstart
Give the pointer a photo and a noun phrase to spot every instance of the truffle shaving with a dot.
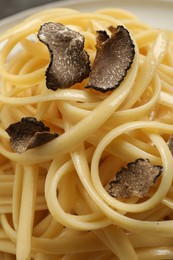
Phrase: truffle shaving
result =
(114, 57)
(135, 180)
(29, 133)
(170, 143)
(69, 61)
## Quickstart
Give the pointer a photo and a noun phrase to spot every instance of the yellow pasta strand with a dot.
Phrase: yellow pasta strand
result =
(54, 200)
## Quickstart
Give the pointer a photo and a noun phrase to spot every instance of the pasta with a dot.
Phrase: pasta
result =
(54, 200)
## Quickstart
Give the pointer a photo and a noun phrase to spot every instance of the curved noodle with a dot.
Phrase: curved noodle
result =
(54, 199)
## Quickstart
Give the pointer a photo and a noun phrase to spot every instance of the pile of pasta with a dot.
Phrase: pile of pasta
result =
(54, 199)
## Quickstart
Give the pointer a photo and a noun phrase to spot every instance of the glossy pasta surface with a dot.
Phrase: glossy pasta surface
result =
(54, 202)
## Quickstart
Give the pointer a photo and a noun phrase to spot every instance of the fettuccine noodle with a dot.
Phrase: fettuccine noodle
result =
(54, 202)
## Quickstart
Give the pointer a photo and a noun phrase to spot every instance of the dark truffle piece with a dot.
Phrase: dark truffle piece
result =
(69, 61)
(170, 143)
(29, 133)
(135, 180)
(114, 57)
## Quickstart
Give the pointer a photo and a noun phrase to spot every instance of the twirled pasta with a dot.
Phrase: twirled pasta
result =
(53, 199)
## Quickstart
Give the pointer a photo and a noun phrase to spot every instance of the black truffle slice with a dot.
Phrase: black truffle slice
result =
(170, 143)
(69, 62)
(29, 133)
(114, 57)
(135, 180)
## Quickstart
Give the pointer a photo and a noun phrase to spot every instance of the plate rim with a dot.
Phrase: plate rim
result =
(21, 15)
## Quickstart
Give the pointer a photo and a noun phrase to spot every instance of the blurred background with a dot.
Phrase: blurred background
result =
(9, 7)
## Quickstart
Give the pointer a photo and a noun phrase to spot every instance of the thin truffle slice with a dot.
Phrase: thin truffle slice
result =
(69, 62)
(135, 180)
(29, 133)
(114, 57)
(170, 143)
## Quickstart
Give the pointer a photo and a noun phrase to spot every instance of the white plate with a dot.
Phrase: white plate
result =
(157, 13)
